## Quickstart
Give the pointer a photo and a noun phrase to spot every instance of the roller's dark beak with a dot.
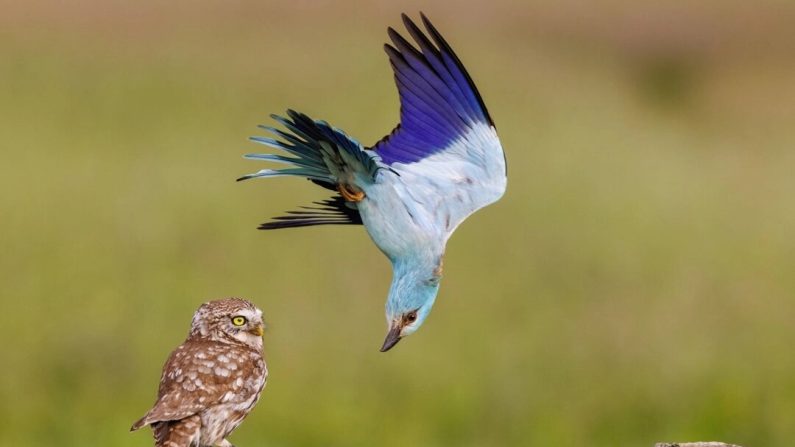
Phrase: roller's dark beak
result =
(392, 338)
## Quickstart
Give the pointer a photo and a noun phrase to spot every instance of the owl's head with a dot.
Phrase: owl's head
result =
(229, 320)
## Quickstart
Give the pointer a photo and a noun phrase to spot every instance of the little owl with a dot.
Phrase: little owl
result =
(211, 381)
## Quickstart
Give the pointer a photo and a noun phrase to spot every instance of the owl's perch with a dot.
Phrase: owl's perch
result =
(695, 444)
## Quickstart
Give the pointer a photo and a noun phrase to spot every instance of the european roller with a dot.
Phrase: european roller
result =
(412, 188)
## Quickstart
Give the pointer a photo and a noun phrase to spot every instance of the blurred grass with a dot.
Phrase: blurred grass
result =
(635, 284)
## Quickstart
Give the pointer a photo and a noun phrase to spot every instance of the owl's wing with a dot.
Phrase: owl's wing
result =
(199, 375)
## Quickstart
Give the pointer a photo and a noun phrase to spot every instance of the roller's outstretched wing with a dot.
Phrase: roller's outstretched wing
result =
(326, 156)
(446, 146)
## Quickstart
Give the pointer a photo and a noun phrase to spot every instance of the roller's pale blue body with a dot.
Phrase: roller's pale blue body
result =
(412, 189)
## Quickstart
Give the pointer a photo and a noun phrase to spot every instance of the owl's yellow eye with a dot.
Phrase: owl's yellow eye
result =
(238, 321)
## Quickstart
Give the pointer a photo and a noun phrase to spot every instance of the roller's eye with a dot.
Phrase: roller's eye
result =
(238, 321)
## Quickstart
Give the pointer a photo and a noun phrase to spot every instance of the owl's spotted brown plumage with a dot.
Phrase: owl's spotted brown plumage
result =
(211, 381)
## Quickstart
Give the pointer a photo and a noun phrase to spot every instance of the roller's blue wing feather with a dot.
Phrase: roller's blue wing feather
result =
(439, 103)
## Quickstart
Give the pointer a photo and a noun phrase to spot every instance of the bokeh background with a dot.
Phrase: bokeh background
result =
(636, 283)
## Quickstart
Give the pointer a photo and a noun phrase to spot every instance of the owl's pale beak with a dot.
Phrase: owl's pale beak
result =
(258, 331)
(392, 338)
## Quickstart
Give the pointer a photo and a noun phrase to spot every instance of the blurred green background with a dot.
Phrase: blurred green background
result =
(636, 283)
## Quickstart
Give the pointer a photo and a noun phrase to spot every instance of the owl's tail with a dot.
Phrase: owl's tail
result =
(138, 424)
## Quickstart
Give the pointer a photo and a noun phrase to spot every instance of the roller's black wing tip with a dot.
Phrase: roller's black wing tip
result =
(333, 211)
